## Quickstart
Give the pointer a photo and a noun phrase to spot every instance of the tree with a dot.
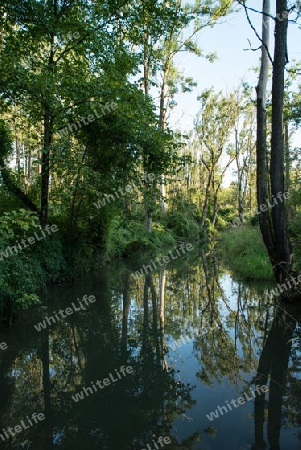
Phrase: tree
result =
(282, 265)
(213, 125)
(261, 143)
(273, 224)
(56, 72)
(160, 34)
(244, 149)
(174, 42)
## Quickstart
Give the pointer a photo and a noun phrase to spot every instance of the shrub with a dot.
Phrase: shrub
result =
(295, 235)
(30, 268)
(124, 238)
(182, 226)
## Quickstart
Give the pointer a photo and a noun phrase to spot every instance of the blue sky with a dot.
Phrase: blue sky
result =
(228, 40)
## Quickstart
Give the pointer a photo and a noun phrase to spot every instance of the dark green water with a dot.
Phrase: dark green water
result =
(159, 354)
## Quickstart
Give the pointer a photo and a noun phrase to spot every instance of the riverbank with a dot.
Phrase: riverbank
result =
(64, 255)
(244, 253)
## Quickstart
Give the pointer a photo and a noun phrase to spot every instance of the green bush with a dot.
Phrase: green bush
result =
(25, 270)
(182, 226)
(126, 238)
(220, 224)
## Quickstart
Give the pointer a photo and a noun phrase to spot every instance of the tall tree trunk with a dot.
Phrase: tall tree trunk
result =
(162, 121)
(18, 144)
(48, 133)
(239, 180)
(274, 232)
(146, 65)
(207, 198)
(283, 260)
(147, 198)
(45, 168)
(287, 170)
(215, 207)
(261, 146)
(29, 166)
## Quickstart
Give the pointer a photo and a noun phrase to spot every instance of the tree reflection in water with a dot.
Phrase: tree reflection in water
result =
(273, 363)
(225, 323)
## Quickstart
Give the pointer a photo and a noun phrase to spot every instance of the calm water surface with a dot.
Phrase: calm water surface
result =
(165, 355)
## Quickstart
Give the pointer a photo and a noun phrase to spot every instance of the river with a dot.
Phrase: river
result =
(183, 357)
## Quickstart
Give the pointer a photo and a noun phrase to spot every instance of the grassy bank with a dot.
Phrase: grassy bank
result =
(244, 253)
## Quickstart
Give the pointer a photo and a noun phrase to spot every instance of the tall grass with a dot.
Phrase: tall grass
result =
(244, 252)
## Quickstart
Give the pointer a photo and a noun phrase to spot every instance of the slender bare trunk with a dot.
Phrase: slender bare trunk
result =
(162, 120)
(287, 170)
(147, 198)
(261, 146)
(283, 267)
(17, 144)
(207, 199)
(239, 179)
(45, 168)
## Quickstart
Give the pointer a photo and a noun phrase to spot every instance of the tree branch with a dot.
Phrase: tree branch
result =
(254, 29)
